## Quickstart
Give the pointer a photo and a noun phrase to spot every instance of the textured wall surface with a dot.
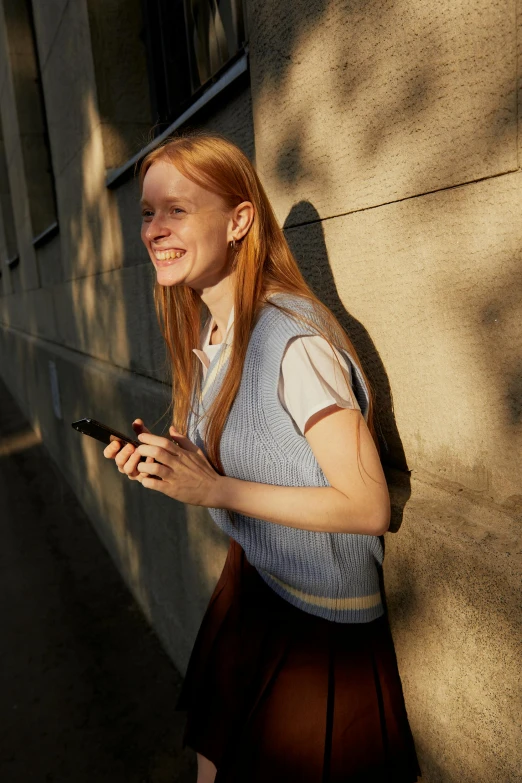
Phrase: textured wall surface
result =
(357, 104)
(452, 577)
(430, 291)
(386, 135)
(122, 82)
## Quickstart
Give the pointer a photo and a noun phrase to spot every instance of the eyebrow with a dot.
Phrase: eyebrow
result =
(171, 200)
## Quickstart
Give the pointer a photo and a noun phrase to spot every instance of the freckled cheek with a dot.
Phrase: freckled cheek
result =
(204, 238)
(215, 242)
(198, 240)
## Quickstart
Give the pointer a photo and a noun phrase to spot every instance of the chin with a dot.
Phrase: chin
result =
(169, 275)
(167, 281)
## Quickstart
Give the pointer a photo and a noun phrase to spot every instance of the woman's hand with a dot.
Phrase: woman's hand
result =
(126, 456)
(186, 474)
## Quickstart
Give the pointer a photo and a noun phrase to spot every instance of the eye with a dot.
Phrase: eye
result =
(147, 214)
(176, 210)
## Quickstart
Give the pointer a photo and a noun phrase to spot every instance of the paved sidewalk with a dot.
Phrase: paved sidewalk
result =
(87, 693)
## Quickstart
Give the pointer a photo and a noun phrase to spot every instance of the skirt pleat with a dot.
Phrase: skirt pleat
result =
(275, 693)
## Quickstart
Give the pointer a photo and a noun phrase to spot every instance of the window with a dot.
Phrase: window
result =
(31, 117)
(8, 251)
(189, 44)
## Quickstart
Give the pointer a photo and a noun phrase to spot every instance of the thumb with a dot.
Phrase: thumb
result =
(138, 426)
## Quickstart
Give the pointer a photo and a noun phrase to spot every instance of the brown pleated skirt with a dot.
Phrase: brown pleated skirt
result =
(276, 694)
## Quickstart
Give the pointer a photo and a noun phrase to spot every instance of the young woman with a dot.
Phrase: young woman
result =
(293, 676)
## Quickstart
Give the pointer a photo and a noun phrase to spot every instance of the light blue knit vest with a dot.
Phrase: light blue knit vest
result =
(332, 575)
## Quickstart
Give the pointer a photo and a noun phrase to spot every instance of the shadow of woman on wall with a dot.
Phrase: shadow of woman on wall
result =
(303, 229)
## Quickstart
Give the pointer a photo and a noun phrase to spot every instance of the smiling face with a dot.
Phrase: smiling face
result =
(184, 228)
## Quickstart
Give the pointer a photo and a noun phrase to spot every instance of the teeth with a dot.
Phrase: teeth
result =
(165, 255)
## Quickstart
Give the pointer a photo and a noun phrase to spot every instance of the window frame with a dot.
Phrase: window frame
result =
(231, 72)
(172, 59)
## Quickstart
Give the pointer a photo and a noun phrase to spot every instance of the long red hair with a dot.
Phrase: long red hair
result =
(264, 264)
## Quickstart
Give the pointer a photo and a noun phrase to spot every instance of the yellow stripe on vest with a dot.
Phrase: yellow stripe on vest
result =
(359, 602)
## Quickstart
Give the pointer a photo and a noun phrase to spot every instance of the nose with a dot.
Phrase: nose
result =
(156, 229)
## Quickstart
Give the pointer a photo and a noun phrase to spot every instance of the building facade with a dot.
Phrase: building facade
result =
(387, 137)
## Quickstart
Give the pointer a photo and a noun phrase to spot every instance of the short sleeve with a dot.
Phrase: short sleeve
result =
(311, 379)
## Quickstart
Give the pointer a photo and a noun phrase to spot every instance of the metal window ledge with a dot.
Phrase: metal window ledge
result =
(38, 241)
(46, 235)
(12, 262)
(115, 176)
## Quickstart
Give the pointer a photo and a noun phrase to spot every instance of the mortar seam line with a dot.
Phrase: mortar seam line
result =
(58, 26)
(406, 198)
(78, 352)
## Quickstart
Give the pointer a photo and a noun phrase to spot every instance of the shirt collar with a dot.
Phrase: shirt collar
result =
(202, 356)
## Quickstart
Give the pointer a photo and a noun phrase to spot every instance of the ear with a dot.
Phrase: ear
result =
(241, 219)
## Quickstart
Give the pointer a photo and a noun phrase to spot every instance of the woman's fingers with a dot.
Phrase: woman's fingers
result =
(156, 469)
(112, 449)
(138, 426)
(132, 462)
(165, 456)
(131, 465)
(126, 456)
(159, 442)
(123, 455)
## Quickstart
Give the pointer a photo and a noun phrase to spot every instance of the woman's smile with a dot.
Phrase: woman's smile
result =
(165, 257)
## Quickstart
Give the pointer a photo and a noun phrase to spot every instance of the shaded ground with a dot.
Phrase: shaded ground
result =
(87, 693)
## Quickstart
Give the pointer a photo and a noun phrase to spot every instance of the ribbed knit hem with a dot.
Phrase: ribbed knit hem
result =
(362, 609)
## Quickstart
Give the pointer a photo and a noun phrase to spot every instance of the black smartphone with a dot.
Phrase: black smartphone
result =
(101, 432)
(106, 434)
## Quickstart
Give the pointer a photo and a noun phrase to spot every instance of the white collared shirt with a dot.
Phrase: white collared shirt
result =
(310, 378)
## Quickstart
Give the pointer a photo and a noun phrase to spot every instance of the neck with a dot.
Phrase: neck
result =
(220, 300)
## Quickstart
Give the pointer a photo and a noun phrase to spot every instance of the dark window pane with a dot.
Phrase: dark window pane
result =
(188, 42)
(215, 32)
(7, 227)
(32, 123)
(166, 45)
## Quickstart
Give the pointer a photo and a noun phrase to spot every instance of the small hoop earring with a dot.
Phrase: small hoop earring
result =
(232, 244)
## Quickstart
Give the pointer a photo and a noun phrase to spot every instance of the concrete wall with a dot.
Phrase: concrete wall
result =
(387, 137)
